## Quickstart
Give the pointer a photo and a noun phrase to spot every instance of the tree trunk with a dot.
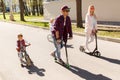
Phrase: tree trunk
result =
(36, 7)
(41, 7)
(33, 7)
(33, 10)
(21, 4)
(26, 11)
(3, 6)
(79, 13)
(29, 7)
(11, 11)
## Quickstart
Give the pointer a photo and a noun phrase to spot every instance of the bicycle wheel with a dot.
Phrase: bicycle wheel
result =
(28, 60)
(49, 38)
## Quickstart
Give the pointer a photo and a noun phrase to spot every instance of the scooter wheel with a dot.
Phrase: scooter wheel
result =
(97, 54)
(67, 65)
(82, 49)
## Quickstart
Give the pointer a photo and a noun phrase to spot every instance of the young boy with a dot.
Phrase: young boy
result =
(52, 30)
(21, 47)
(51, 25)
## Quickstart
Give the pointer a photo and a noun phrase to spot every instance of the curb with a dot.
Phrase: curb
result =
(75, 33)
(102, 38)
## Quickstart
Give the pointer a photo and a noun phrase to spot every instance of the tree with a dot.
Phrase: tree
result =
(36, 7)
(33, 7)
(3, 6)
(26, 11)
(79, 13)
(11, 10)
(28, 6)
(40, 5)
(21, 4)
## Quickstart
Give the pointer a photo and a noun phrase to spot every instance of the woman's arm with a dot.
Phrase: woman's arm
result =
(27, 43)
(87, 21)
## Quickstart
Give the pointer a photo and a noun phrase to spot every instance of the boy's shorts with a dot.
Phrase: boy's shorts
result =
(20, 55)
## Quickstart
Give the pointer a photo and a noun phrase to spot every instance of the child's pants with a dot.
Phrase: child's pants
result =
(89, 38)
(58, 47)
(20, 55)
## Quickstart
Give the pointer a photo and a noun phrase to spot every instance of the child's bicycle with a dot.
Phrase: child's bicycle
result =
(26, 57)
(50, 38)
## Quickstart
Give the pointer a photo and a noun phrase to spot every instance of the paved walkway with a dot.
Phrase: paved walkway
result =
(83, 66)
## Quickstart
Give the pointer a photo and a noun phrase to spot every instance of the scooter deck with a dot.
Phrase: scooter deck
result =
(64, 65)
(95, 53)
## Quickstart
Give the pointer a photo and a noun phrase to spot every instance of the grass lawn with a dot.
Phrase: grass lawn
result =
(35, 21)
(100, 33)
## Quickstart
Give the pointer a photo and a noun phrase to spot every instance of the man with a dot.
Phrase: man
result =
(62, 30)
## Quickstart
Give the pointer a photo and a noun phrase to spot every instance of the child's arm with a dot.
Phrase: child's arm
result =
(18, 47)
(87, 21)
(27, 43)
(96, 28)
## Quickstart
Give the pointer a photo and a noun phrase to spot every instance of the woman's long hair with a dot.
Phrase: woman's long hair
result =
(89, 11)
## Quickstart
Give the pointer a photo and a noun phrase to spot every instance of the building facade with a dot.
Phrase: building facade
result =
(13, 3)
(106, 10)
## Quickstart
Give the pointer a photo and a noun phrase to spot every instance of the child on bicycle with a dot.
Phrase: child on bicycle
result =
(21, 47)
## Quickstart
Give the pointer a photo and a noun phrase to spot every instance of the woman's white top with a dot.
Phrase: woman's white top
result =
(90, 23)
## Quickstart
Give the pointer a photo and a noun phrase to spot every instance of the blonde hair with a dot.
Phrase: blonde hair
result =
(52, 20)
(89, 11)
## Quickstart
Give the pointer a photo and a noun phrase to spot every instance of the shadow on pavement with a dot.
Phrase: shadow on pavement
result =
(115, 61)
(87, 75)
(35, 70)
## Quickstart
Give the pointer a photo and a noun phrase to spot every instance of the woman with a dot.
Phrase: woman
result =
(90, 26)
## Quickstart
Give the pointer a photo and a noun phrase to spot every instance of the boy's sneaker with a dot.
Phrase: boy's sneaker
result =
(53, 54)
(61, 61)
(55, 59)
